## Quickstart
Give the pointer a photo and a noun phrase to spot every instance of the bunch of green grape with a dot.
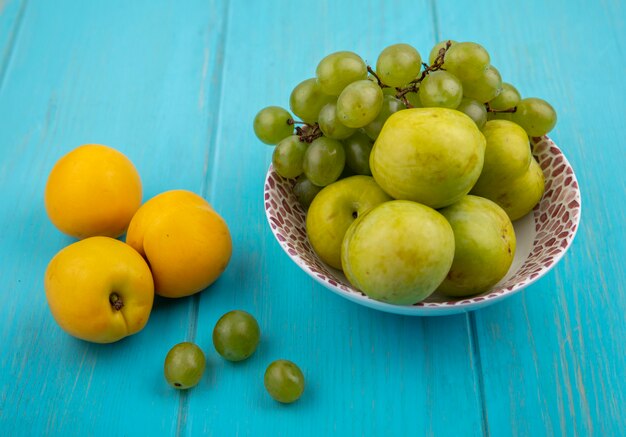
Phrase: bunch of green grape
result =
(343, 108)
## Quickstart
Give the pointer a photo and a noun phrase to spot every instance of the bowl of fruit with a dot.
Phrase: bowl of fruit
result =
(414, 188)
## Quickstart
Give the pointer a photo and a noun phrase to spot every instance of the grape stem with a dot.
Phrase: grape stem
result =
(413, 86)
(309, 132)
(371, 71)
(490, 109)
(436, 65)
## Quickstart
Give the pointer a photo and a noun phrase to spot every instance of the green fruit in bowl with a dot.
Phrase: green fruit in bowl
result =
(390, 105)
(334, 209)
(484, 246)
(507, 155)
(510, 177)
(399, 252)
(305, 191)
(519, 197)
(433, 156)
(324, 161)
(358, 148)
(536, 116)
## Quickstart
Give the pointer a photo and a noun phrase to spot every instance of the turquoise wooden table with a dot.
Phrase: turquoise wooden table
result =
(175, 86)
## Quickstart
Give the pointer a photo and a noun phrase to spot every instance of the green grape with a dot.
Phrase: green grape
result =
(389, 91)
(330, 124)
(271, 124)
(307, 99)
(324, 161)
(398, 65)
(487, 86)
(305, 191)
(338, 70)
(475, 110)
(536, 116)
(435, 51)
(184, 365)
(441, 89)
(236, 335)
(358, 148)
(414, 100)
(284, 381)
(359, 103)
(466, 60)
(390, 105)
(288, 156)
(508, 98)
(346, 173)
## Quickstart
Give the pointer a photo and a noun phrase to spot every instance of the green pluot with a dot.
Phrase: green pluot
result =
(334, 209)
(507, 155)
(520, 196)
(484, 246)
(510, 177)
(399, 252)
(433, 156)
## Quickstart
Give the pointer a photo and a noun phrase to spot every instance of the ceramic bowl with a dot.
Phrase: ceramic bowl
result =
(543, 237)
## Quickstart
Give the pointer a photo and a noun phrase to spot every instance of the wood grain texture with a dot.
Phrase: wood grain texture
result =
(553, 360)
(367, 373)
(175, 86)
(133, 76)
(11, 14)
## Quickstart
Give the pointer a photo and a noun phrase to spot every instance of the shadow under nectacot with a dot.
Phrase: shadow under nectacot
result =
(162, 304)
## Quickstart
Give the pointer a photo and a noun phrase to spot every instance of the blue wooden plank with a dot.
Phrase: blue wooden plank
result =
(553, 358)
(368, 373)
(135, 76)
(11, 13)
(148, 79)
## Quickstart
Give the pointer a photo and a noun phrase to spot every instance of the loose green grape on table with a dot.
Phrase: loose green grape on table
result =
(236, 335)
(284, 381)
(184, 365)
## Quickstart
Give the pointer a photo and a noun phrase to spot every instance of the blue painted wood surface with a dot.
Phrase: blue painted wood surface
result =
(175, 85)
